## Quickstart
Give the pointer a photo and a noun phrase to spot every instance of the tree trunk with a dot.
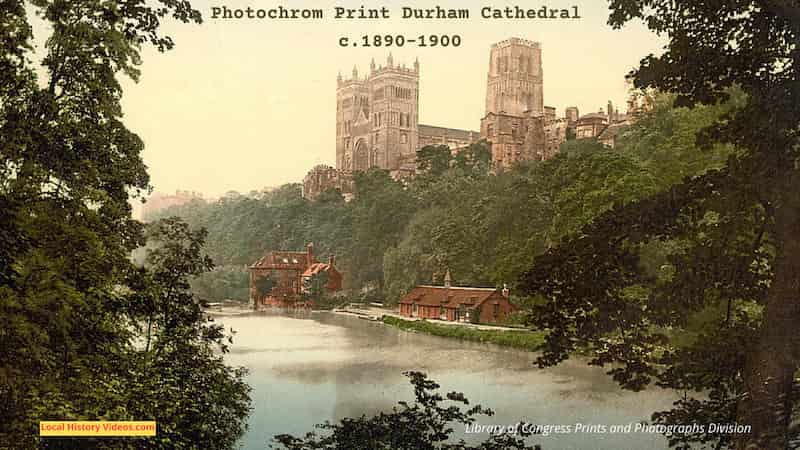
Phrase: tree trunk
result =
(773, 360)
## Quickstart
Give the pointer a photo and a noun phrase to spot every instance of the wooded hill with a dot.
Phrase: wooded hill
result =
(485, 228)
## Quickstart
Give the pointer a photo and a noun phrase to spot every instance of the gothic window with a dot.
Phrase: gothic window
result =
(403, 138)
(361, 156)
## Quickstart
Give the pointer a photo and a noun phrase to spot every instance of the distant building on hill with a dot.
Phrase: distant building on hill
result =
(159, 201)
(608, 126)
(288, 272)
(322, 177)
(457, 304)
(590, 125)
(572, 115)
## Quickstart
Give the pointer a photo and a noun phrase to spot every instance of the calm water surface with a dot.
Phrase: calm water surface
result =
(305, 369)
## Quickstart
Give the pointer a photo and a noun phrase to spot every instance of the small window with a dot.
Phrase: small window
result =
(403, 138)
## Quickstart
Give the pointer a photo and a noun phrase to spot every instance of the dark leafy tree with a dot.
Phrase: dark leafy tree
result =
(695, 287)
(264, 285)
(314, 287)
(71, 302)
(475, 158)
(434, 159)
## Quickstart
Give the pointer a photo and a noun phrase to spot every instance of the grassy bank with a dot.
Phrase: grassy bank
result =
(526, 340)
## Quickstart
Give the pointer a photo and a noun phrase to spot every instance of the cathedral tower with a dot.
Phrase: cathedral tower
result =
(514, 123)
(514, 84)
(377, 119)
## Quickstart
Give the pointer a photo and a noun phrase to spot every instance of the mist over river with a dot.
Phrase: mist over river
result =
(310, 367)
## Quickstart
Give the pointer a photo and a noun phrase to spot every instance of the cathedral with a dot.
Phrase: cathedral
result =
(377, 119)
(377, 125)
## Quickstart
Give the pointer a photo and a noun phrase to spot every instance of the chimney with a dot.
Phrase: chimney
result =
(332, 260)
(505, 290)
(447, 279)
(310, 253)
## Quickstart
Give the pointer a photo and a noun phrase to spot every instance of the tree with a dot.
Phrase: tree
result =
(182, 343)
(475, 158)
(427, 424)
(315, 286)
(434, 159)
(380, 212)
(715, 256)
(68, 165)
(264, 285)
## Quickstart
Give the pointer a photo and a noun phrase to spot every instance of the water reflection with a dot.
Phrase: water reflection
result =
(312, 367)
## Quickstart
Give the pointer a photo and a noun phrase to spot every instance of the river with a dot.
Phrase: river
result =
(312, 367)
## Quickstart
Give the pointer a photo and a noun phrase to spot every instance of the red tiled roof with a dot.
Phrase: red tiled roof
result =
(316, 268)
(451, 297)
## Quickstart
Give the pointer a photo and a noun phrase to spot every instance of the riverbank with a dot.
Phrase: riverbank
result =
(521, 339)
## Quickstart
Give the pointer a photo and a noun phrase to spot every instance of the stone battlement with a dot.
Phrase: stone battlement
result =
(389, 68)
(516, 41)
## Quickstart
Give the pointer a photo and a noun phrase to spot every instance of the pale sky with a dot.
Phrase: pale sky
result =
(247, 104)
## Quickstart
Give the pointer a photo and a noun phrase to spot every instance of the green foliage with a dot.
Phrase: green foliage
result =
(314, 287)
(434, 159)
(395, 235)
(222, 283)
(72, 304)
(522, 339)
(180, 344)
(264, 285)
(426, 424)
(693, 285)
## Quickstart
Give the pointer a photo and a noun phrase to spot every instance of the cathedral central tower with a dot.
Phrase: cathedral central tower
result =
(514, 84)
(514, 123)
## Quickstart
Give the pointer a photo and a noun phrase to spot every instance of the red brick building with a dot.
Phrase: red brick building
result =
(289, 272)
(458, 304)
